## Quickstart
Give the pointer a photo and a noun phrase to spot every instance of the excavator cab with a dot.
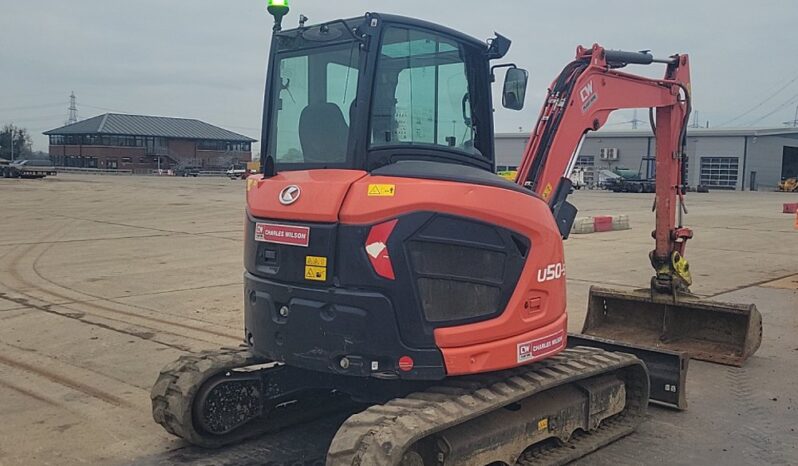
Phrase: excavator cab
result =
(366, 92)
(378, 205)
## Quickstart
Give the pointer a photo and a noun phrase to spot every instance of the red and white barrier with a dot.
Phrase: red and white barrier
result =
(600, 223)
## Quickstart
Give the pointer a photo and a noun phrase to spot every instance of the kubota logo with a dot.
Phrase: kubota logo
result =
(551, 272)
(289, 194)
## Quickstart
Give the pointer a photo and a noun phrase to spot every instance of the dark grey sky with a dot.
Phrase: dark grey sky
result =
(206, 59)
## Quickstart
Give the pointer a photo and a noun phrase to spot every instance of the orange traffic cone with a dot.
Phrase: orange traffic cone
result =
(796, 220)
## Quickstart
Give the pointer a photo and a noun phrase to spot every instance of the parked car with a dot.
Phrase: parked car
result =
(187, 171)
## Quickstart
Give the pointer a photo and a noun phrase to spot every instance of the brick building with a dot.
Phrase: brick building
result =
(141, 143)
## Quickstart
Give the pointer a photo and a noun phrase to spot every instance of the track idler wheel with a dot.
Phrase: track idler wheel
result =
(219, 398)
(227, 402)
(202, 377)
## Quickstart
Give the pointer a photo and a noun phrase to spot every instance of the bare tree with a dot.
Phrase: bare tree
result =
(15, 142)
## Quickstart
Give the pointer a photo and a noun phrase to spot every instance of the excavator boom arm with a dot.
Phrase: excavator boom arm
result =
(581, 100)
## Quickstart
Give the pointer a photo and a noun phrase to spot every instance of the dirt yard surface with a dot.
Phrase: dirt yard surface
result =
(103, 280)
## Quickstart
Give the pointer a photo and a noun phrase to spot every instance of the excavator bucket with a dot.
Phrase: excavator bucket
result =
(724, 333)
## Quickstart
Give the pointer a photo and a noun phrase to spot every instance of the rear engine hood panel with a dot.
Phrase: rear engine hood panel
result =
(321, 194)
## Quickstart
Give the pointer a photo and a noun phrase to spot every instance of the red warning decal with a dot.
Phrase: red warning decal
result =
(282, 234)
(540, 347)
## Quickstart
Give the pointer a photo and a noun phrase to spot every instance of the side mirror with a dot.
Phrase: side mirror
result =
(514, 88)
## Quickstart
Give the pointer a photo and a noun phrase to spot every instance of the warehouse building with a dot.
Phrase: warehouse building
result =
(141, 143)
(735, 159)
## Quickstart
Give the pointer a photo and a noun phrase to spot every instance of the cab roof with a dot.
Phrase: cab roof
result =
(403, 20)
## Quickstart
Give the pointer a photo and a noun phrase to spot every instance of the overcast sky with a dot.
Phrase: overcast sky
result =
(206, 59)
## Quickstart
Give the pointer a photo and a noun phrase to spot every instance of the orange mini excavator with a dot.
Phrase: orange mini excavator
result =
(387, 264)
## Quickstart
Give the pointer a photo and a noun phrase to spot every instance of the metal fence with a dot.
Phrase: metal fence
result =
(178, 173)
(93, 171)
(98, 171)
(213, 173)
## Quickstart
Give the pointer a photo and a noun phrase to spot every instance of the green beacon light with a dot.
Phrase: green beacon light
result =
(278, 9)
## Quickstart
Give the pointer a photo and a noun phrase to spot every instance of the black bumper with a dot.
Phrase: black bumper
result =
(331, 329)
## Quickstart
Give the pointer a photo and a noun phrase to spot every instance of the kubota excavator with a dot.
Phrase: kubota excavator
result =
(387, 264)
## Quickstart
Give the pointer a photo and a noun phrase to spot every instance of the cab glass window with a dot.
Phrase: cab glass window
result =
(314, 93)
(421, 92)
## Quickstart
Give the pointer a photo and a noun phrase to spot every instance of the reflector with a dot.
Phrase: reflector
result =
(377, 248)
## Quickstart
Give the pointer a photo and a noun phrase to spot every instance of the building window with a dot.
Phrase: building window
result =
(223, 146)
(154, 145)
(719, 172)
(207, 145)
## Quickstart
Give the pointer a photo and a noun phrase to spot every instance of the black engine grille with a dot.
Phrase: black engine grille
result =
(464, 270)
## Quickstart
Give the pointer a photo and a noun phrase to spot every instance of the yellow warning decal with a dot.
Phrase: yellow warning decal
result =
(543, 424)
(251, 182)
(315, 273)
(547, 192)
(316, 261)
(382, 190)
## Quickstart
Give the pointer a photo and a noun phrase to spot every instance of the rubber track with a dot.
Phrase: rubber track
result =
(380, 435)
(177, 384)
(581, 443)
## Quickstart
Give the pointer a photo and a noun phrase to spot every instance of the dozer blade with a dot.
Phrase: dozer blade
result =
(724, 333)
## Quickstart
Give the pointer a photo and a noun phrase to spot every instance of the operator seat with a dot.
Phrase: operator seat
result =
(323, 133)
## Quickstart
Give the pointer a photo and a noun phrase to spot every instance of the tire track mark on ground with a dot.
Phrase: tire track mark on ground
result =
(756, 423)
(162, 230)
(16, 274)
(14, 270)
(67, 382)
(86, 389)
(80, 316)
(28, 393)
(48, 307)
(23, 349)
(750, 285)
(95, 301)
(85, 240)
(113, 300)
(96, 298)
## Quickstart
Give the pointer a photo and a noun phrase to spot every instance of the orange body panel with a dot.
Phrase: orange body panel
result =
(536, 308)
(535, 315)
(533, 345)
(322, 193)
